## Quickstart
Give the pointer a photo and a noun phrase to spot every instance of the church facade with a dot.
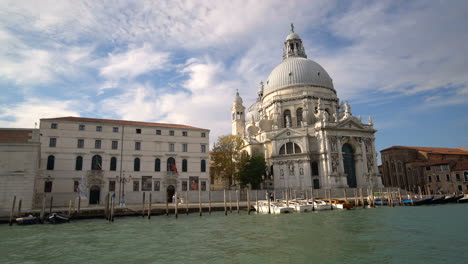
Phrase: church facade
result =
(309, 138)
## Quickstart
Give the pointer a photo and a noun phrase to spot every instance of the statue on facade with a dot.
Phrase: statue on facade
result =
(371, 122)
(333, 143)
(288, 121)
(291, 168)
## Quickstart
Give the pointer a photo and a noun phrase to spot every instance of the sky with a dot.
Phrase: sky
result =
(405, 63)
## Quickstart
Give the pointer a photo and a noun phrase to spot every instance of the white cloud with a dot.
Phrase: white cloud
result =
(27, 113)
(134, 62)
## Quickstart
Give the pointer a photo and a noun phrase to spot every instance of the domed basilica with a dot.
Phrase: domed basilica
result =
(308, 137)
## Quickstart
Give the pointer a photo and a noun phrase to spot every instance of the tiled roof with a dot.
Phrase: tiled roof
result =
(457, 151)
(439, 162)
(122, 122)
(15, 135)
(461, 165)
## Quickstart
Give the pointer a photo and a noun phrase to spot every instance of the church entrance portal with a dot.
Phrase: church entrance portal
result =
(94, 194)
(349, 165)
(170, 193)
(316, 184)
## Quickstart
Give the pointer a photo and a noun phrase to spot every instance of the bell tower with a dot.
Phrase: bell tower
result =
(238, 116)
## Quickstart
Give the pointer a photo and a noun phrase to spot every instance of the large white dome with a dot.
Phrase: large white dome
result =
(297, 71)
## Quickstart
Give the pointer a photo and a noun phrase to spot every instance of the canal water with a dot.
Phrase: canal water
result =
(424, 234)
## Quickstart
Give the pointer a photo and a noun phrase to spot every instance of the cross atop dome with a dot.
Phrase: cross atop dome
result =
(293, 45)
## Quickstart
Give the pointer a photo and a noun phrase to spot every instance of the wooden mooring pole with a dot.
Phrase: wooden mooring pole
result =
(256, 200)
(312, 198)
(143, 205)
(209, 201)
(176, 209)
(230, 201)
(79, 206)
(167, 203)
(112, 208)
(225, 207)
(19, 208)
(150, 201)
(106, 206)
(248, 201)
(12, 210)
(186, 202)
(237, 198)
(344, 193)
(399, 197)
(329, 199)
(362, 198)
(199, 201)
(269, 207)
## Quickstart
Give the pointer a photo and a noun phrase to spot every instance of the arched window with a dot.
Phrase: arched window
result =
(290, 148)
(171, 164)
(287, 118)
(203, 166)
(157, 165)
(136, 164)
(79, 163)
(184, 165)
(50, 162)
(96, 163)
(299, 116)
(113, 164)
(315, 169)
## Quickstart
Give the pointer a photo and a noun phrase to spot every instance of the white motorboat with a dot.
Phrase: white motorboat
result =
(300, 206)
(275, 208)
(320, 205)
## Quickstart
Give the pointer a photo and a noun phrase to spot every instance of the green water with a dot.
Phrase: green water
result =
(424, 234)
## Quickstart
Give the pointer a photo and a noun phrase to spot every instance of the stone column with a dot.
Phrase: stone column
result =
(340, 156)
(364, 160)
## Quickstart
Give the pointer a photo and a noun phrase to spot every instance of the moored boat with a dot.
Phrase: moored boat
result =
(275, 208)
(319, 205)
(300, 206)
(463, 200)
(58, 218)
(27, 220)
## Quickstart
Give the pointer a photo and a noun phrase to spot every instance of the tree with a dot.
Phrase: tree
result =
(226, 158)
(252, 171)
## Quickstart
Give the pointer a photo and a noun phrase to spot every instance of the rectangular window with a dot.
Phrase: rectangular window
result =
(428, 168)
(80, 143)
(136, 186)
(111, 186)
(48, 186)
(203, 148)
(466, 176)
(203, 134)
(184, 133)
(97, 144)
(184, 147)
(53, 126)
(137, 145)
(437, 178)
(457, 176)
(52, 142)
(203, 185)
(171, 147)
(138, 130)
(158, 132)
(429, 178)
(146, 182)
(171, 132)
(115, 129)
(115, 144)
(81, 127)
(184, 186)
(76, 184)
(157, 186)
(447, 177)
(460, 188)
(98, 128)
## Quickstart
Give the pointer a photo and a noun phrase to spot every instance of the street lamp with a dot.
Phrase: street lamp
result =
(122, 181)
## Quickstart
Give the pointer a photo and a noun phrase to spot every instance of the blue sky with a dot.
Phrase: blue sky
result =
(403, 62)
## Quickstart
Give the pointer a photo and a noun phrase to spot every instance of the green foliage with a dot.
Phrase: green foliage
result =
(226, 158)
(252, 170)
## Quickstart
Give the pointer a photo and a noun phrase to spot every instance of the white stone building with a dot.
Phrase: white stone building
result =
(92, 157)
(309, 138)
(19, 164)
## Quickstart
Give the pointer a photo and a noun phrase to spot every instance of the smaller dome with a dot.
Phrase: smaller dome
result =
(293, 36)
(238, 99)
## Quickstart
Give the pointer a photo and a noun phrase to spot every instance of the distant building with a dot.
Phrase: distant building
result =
(90, 157)
(309, 138)
(19, 164)
(429, 169)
